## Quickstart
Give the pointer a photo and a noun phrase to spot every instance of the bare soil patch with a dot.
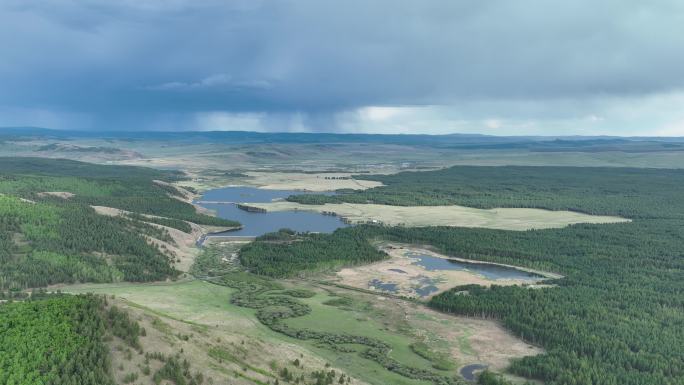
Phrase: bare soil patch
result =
(411, 280)
(308, 182)
(472, 340)
(465, 340)
(58, 194)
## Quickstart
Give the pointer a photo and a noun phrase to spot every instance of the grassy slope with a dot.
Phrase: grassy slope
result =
(192, 301)
(208, 304)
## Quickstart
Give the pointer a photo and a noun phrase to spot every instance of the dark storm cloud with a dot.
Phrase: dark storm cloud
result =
(132, 61)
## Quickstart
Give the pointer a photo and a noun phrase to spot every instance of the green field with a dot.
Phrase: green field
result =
(191, 301)
(212, 160)
(208, 305)
(361, 320)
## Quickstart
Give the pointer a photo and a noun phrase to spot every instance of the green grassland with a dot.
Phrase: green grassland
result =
(190, 300)
(209, 305)
(361, 320)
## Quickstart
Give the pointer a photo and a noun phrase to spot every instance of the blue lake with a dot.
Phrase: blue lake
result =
(487, 270)
(255, 224)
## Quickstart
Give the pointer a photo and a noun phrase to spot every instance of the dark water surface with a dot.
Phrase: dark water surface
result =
(384, 286)
(468, 371)
(487, 270)
(255, 224)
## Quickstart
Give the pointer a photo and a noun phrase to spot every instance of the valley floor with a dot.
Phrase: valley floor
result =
(197, 318)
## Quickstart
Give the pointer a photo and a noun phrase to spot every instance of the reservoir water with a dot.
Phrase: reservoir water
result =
(254, 223)
(488, 270)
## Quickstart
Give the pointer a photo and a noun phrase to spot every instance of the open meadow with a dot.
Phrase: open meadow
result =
(205, 311)
(458, 216)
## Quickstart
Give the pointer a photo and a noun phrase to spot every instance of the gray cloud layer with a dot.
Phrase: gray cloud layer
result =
(169, 64)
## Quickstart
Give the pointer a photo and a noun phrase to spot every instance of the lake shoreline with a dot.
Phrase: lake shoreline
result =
(433, 252)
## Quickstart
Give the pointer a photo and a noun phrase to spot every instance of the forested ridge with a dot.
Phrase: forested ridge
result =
(47, 239)
(617, 317)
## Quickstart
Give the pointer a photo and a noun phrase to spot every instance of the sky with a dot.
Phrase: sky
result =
(502, 67)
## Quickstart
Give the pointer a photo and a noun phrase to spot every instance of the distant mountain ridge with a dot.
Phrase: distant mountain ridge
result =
(468, 140)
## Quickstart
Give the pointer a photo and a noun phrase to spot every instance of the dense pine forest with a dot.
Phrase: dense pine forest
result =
(605, 190)
(617, 317)
(286, 253)
(54, 238)
(58, 340)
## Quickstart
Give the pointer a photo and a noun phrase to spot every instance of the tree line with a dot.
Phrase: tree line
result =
(615, 318)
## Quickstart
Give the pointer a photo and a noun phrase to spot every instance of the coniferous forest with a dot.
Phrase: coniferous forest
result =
(58, 340)
(307, 192)
(617, 316)
(47, 238)
(286, 253)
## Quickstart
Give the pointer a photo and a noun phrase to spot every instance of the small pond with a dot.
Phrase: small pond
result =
(384, 286)
(468, 371)
(487, 270)
(425, 287)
